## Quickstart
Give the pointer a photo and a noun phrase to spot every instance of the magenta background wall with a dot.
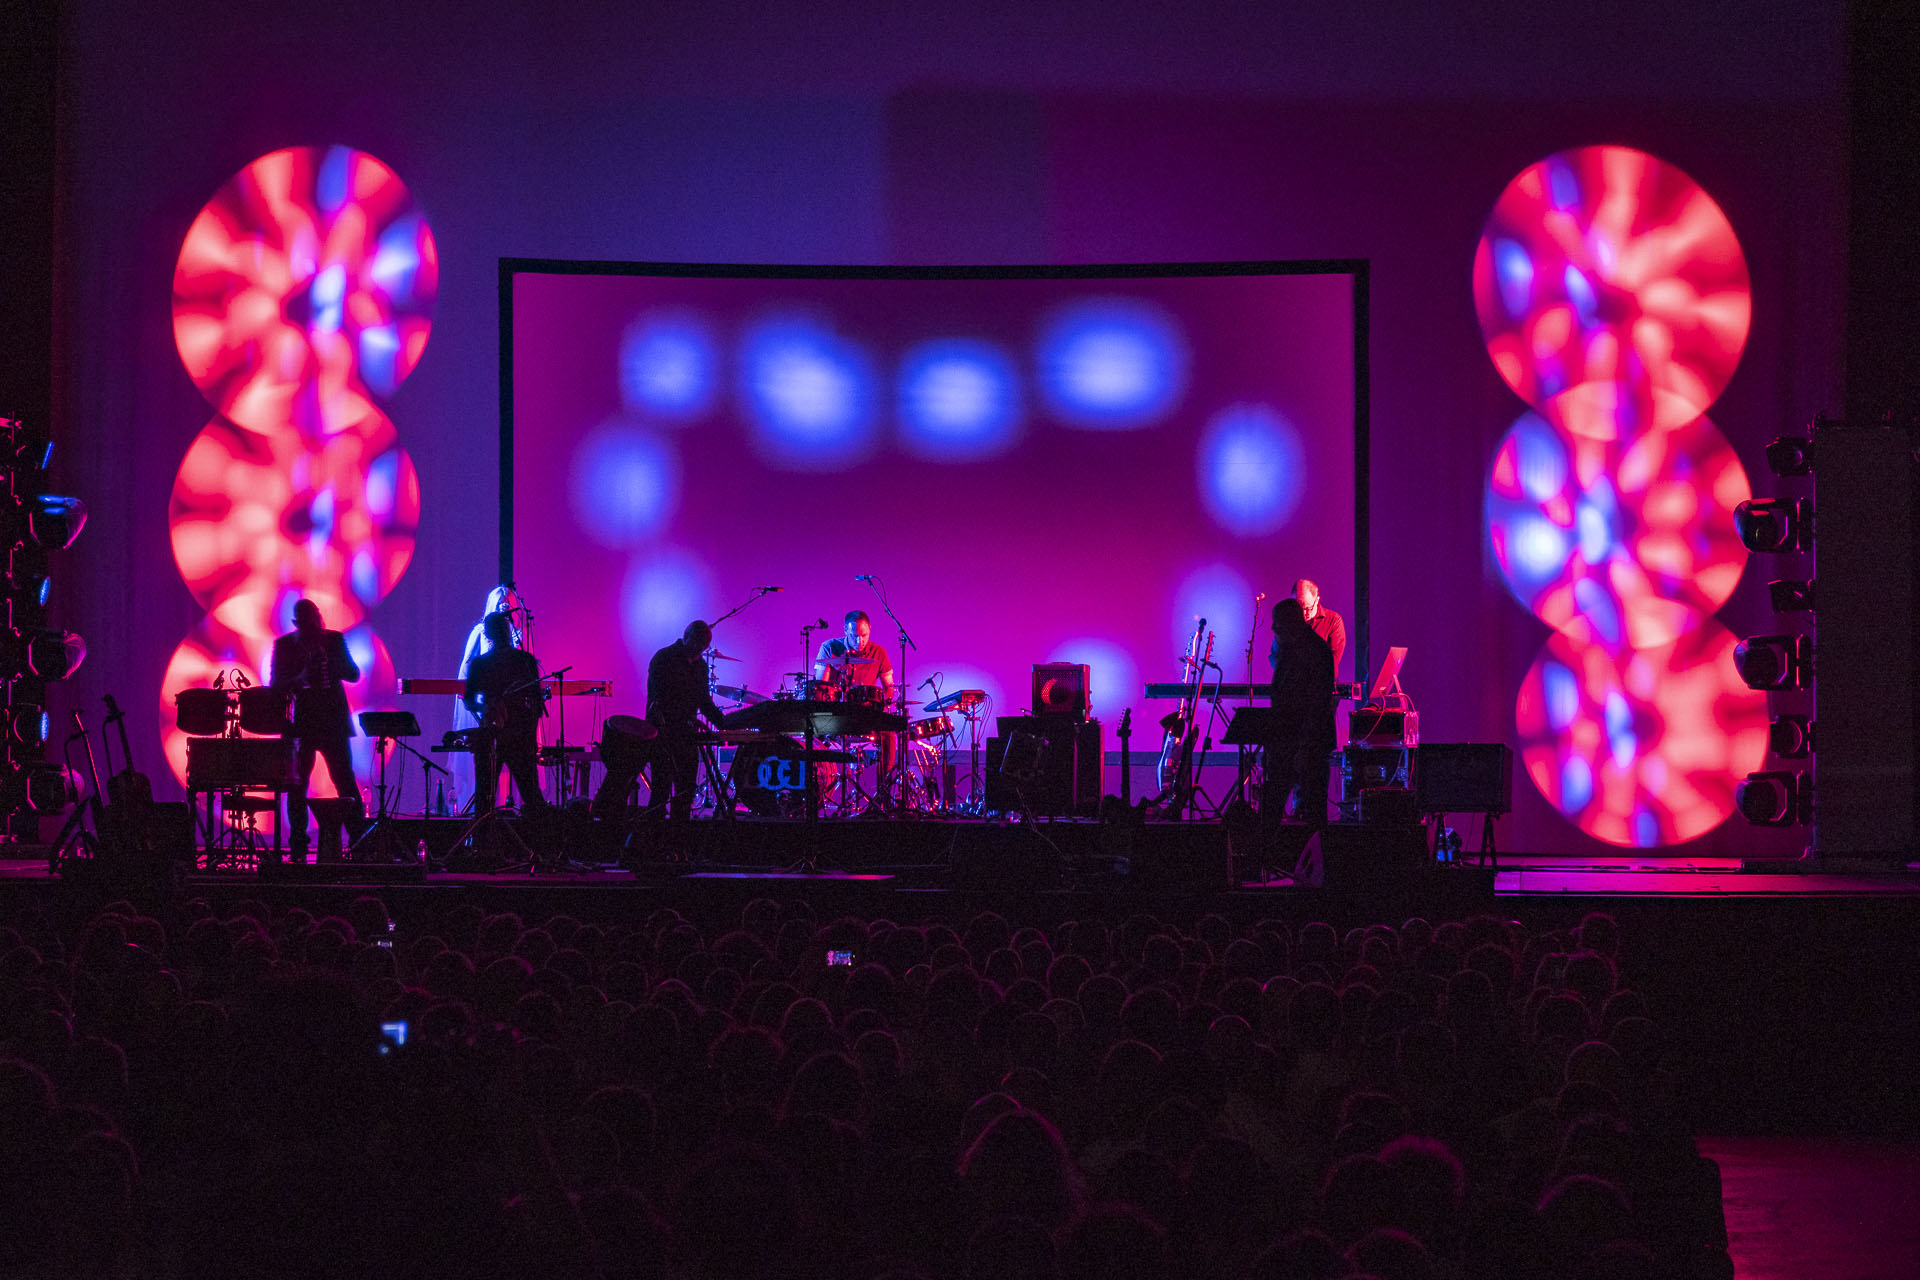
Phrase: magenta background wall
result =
(883, 134)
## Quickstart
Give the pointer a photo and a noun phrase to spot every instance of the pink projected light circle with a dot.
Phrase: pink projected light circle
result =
(1620, 543)
(1643, 747)
(253, 511)
(304, 290)
(1612, 292)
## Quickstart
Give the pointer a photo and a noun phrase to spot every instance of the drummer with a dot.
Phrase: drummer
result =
(854, 661)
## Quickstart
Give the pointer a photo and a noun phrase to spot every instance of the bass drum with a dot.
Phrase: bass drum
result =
(771, 778)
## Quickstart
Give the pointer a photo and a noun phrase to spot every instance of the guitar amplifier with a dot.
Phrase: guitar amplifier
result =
(215, 764)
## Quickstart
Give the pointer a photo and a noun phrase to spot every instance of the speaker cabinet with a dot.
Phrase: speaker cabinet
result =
(1053, 763)
(1464, 777)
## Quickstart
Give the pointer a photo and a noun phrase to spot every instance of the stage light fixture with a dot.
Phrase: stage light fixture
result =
(1790, 736)
(1774, 662)
(1790, 456)
(54, 522)
(36, 786)
(1775, 525)
(1778, 798)
(1791, 595)
(46, 653)
(28, 725)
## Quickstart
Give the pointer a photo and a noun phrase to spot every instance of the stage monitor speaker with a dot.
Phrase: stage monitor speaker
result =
(1463, 777)
(1054, 764)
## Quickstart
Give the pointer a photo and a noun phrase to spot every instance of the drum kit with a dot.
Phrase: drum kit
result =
(773, 777)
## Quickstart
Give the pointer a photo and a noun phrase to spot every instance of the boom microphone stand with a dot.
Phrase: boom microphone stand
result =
(885, 786)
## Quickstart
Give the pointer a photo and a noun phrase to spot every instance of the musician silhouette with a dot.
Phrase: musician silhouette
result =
(504, 692)
(502, 599)
(1297, 753)
(677, 696)
(312, 664)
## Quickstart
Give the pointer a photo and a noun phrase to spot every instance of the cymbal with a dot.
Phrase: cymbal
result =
(738, 693)
(843, 660)
(721, 657)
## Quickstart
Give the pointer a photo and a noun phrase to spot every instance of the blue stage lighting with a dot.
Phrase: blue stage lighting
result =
(1111, 363)
(669, 367)
(959, 400)
(809, 394)
(625, 485)
(1252, 469)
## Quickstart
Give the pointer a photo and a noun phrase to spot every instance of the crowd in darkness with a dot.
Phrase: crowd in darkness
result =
(211, 1094)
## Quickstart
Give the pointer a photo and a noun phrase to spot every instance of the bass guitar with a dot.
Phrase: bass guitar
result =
(1174, 772)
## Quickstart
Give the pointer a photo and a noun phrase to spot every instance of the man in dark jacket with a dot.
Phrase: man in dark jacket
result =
(312, 664)
(1297, 754)
(677, 696)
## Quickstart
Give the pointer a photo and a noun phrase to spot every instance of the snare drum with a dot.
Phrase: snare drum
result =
(810, 690)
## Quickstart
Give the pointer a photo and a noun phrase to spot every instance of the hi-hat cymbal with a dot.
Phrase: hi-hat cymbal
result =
(738, 693)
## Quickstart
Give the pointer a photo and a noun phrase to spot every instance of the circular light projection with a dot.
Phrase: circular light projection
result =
(304, 290)
(1111, 364)
(1644, 747)
(959, 400)
(1113, 681)
(669, 367)
(624, 484)
(663, 592)
(1220, 594)
(1612, 292)
(809, 394)
(1251, 467)
(254, 511)
(1621, 543)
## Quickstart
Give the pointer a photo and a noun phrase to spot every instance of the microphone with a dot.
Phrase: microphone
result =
(765, 590)
(1262, 596)
(928, 681)
(863, 577)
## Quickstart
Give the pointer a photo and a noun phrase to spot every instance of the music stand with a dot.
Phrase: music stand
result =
(386, 727)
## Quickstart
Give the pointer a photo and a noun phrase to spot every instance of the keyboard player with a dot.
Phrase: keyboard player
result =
(678, 695)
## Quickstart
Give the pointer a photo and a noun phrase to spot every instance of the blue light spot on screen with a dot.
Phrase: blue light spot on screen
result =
(383, 485)
(1513, 269)
(1580, 293)
(365, 577)
(1596, 604)
(1562, 184)
(1220, 594)
(809, 394)
(1113, 678)
(330, 189)
(379, 366)
(1576, 784)
(669, 366)
(1252, 468)
(1621, 741)
(959, 400)
(360, 648)
(1593, 518)
(1540, 458)
(1562, 692)
(1111, 363)
(624, 485)
(396, 259)
(326, 295)
(662, 593)
(1646, 829)
(1538, 547)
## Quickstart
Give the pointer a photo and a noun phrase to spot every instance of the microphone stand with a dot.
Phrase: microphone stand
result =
(899, 682)
(757, 593)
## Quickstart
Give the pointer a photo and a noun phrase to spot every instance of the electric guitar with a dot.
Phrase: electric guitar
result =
(1175, 769)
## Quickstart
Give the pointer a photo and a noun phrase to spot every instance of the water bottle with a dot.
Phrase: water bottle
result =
(421, 852)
